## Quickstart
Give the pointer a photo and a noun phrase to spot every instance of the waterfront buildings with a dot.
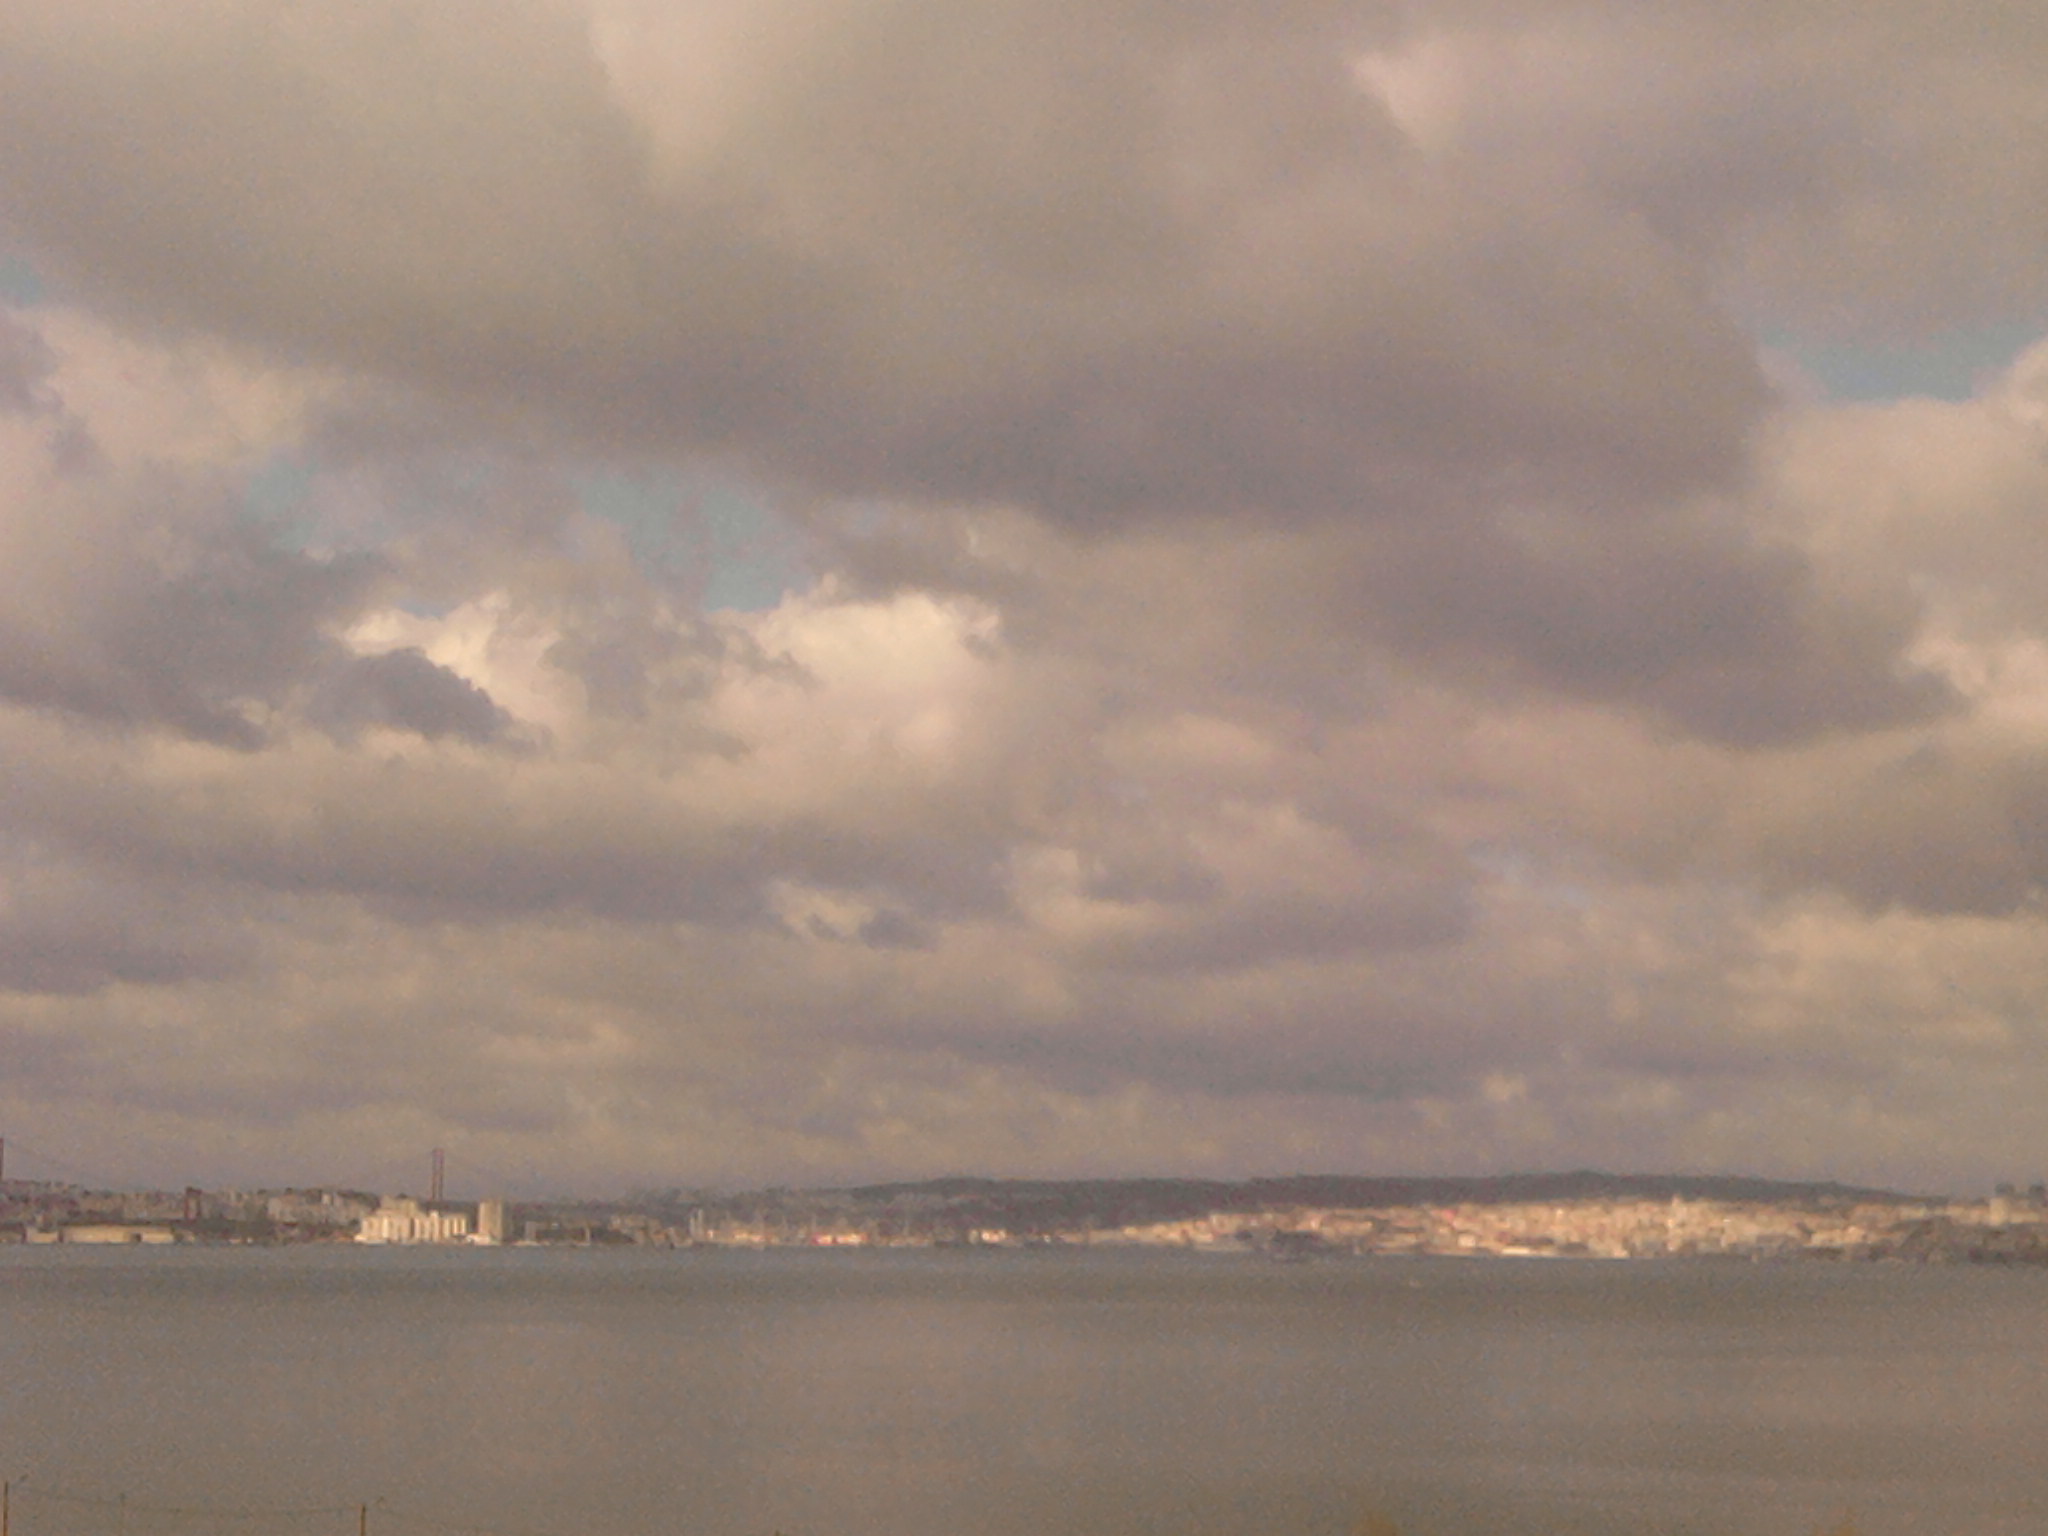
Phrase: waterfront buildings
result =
(102, 1233)
(402, 1219)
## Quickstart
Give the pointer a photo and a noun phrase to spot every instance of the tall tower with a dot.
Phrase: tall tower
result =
(440, 1178)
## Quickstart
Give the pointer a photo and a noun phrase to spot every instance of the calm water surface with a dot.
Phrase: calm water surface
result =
(591, 1393)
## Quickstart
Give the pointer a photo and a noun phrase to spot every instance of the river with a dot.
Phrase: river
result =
(322, 1391)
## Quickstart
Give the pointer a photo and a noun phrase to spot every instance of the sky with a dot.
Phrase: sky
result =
(717, 592)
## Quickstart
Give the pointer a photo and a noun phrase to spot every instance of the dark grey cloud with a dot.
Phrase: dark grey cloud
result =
(1685, 614)
(1106, 266)
(462, 840)
(1104, 263)
(405, 690)
(1389, 912)
(1695, 615)
(67, 929)
(181, 617)
(25, 363)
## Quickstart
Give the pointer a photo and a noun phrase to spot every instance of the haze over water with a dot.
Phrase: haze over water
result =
(1087, 1394)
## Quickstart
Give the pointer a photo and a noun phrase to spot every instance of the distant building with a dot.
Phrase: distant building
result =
(316, 1207)
(105, 1232)
(493, 1222)
(402, 1219)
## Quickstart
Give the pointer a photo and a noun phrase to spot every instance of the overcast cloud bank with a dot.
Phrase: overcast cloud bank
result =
(1318, 633)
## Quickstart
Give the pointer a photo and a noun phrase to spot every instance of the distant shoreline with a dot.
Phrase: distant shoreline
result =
(1569, 1215)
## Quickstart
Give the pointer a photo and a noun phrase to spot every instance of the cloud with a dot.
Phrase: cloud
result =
(75, 929)
(1105, 261)
(134, 592)
(1329, 643)
(405, 690)
(1106, 266)
(25, 363)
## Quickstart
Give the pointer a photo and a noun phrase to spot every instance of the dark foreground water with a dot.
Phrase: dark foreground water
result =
(538, 1393)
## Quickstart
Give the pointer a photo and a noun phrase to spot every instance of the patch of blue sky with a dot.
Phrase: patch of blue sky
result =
(280, 493)
(20, 283)
(283, 495)
(1953, 364)
(711, 532)
(713, 536)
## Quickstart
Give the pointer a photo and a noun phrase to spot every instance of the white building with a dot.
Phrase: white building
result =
(402, 1219)
(493, 1223)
